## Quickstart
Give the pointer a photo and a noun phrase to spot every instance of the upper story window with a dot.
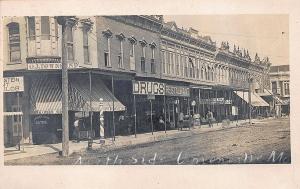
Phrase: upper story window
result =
(143, 55)
(121, 38)
(45, 27)
(152, 63)
(86, 52)
(186, 67)
(107, 35)
(70, 44)
(286, 88)
(14, 42)
(31, 27)
(163, 61)
(132, 44)
(192, 68)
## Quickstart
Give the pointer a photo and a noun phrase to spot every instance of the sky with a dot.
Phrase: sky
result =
(267, 35)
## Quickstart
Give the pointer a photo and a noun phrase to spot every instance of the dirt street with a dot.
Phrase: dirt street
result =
(267, 141)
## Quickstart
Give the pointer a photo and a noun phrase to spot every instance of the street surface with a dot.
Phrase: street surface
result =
(266, 141)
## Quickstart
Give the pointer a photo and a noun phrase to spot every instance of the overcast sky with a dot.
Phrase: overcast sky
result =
(268, 35)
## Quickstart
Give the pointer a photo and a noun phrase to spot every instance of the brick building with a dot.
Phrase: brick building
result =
(125, 73)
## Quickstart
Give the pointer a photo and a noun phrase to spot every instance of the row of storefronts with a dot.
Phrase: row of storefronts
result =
(110, 105)
(127, 75)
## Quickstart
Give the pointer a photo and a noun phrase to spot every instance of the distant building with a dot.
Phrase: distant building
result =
(280, 85)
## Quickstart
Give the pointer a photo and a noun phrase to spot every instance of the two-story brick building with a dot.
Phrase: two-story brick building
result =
(126, 74)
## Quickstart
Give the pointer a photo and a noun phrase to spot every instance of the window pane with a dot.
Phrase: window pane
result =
(45, 27)
(85, 37)
(70, 52)
(86, 54)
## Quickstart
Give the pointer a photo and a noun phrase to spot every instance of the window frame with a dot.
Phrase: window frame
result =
(14, 40)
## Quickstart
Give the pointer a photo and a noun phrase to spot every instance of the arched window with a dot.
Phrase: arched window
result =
(14, 42)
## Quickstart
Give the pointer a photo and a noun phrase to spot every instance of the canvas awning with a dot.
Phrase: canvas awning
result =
(270, 93)
(46, 95)
(256, 100)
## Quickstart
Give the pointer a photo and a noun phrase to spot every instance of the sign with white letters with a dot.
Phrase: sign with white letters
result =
(50, 66)
(13, 84)
(148, 88)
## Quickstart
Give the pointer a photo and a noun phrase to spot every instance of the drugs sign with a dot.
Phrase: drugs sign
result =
(13, 84)
(148, 88)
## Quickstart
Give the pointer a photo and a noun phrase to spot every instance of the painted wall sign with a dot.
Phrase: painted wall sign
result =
(148, 88)
(173, 90)
(13, 84)
(50, 66)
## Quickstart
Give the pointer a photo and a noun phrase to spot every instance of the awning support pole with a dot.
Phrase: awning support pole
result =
(165, 113)
(91, 109)
(113, 113)
(134, 104)
(151, 116)
(249, 99)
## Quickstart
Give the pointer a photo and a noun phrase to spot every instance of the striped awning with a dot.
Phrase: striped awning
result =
(256, 100)
(46, 95)
(99, 91)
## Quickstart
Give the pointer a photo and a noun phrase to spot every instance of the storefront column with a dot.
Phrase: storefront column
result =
(26, 111)
(113, 113)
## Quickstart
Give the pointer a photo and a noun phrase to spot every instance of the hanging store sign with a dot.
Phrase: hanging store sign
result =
(215, 101)
(148, 88)
(50, 66)
(173, 90)
(13, 84)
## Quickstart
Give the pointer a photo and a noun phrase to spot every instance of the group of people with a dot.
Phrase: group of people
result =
(209, 117)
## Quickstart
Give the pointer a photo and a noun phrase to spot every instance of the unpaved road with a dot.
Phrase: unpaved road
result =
(267, 141)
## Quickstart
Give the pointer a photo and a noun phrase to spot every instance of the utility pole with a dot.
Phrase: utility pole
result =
(249, 98)
(67, 22)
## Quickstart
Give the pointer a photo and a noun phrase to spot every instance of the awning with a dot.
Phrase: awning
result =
(256, 100)
(270, 93)
(46, 95)
(99, 91)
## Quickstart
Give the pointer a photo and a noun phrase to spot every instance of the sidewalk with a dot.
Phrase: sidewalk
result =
(121, 141)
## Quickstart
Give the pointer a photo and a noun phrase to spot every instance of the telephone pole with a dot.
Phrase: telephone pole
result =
(249, 97)
(67, 22)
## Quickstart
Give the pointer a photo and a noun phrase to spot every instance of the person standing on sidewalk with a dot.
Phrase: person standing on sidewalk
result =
(181, 117)
(76, 125)
(210, 118)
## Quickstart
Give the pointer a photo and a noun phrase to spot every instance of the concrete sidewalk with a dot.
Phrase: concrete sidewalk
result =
(121, 141)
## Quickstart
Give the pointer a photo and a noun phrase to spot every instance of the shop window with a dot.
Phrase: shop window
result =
(14, 42)
(31, 27)
(45, 27)
(16, 121)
